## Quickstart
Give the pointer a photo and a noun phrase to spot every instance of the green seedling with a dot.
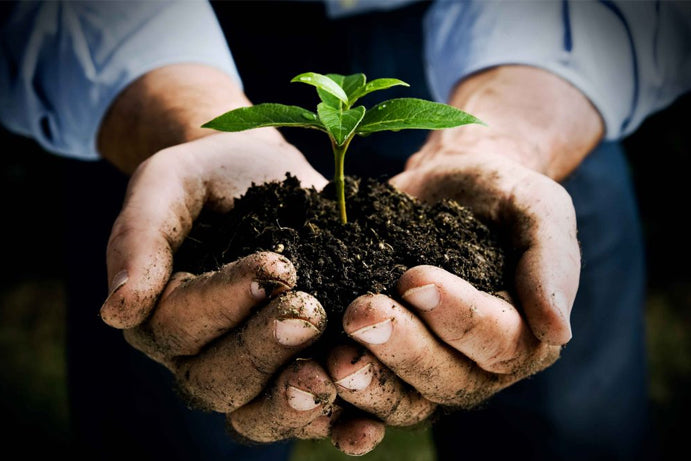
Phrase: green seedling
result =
(337, 117)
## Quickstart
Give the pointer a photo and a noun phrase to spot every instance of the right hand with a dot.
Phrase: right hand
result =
(227, 333)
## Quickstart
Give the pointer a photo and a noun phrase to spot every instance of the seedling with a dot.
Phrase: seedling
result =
(337, 117)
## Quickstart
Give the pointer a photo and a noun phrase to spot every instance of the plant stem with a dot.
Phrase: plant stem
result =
(339, 179)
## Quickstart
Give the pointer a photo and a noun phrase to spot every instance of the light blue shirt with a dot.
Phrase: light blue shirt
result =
(64, 62)
(630, 58)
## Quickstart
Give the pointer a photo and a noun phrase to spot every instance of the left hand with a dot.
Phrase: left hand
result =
(453, 344)
(448, 343)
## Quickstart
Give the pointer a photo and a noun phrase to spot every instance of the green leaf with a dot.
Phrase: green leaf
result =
(322, 82)
(350, 84)
(261, 115)
(340, 123)
(412, 113)
(376, 85)
(327, 97)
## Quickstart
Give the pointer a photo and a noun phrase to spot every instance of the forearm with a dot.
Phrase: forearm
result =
(165, 107)
(532, 116)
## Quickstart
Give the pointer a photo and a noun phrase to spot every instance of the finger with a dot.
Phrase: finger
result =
(320, 427)
(158, 212)
(357, 436)
(353, 435)
(364, 382)
(302, 393)
(402, 342)
(485, 328)
(547, 273)
(236, 368)
(195, 310)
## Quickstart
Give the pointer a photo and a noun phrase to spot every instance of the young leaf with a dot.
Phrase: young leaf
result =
(375, 85)
(350, 84)
(327, 97)
(261, 115)
(412, 113)
(340, 123)
(322, 82)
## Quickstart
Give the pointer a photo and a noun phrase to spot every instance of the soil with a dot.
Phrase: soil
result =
(387, 233)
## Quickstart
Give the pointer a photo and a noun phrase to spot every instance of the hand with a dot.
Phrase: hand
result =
(191, 323)
(204, 328)
(165, 195)
(448, 343)
(225, 335)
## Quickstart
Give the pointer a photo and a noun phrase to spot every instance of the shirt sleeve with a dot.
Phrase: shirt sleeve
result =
(62, 63)
(629, 58)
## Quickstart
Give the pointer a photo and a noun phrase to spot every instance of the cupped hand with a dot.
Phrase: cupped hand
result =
(230, 337)
(535, 214)
(224, 334)
(445, 342)
(165, 195)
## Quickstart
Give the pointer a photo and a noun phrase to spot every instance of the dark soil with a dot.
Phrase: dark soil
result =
(387, 233)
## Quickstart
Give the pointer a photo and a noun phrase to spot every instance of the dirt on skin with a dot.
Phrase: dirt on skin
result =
(387, 233)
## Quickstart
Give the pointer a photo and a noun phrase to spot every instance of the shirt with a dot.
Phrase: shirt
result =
(630, 58)
(64, 62)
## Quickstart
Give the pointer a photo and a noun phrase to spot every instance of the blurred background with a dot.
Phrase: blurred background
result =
(33, 391)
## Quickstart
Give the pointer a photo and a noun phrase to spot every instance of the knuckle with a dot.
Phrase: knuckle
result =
(416, 364)
(410, 410)
(261, 361)
(476, 391)
(253, 429)
(207, 391)
(141, 339)
(261, 364)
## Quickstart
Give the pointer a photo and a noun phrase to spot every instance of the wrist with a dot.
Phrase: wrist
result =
(533, 117)
(479, 141)
(165, 107)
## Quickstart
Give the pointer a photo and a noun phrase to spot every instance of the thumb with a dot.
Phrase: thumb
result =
(158, 212)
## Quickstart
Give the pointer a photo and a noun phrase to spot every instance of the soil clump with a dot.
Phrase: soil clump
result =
(387, 233)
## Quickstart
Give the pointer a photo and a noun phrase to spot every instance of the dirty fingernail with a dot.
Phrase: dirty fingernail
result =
(301, 400)
(379, 333)
(118, 281)
(559, 301)
(425, 298)
(358, 380)
(563, 305)
(293, 332)
(259, 289)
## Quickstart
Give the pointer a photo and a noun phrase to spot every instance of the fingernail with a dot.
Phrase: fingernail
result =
(559, 302)
(259, 289)
(118, 281)
(562, 305)
(425, 298)
(358, 380)
(293, 332)
(379, 333)
(301, 400)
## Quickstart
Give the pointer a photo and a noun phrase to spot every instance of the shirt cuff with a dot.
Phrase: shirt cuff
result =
(585, 43)
(78, 56)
